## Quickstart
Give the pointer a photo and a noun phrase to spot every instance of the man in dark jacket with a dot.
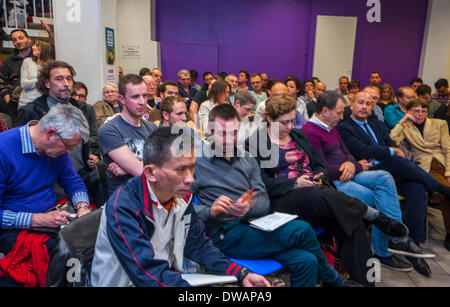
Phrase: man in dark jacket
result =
(149, 225)
(10, 71)
(55, 81)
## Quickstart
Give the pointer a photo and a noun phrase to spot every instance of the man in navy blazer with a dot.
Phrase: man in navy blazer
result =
(368, 139)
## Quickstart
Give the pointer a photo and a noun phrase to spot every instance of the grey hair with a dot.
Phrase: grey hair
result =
(67, 120)
(244, 97)
(112, 85)
(183, 72)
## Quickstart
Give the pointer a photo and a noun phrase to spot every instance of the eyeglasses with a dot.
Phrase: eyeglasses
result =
(110, 92)
(81, 96)
(68, 147)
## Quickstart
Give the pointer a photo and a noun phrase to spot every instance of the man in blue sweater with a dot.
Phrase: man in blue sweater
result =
(32, 159)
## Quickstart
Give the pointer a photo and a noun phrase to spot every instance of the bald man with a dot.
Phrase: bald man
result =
(277, 89)
(368, 139)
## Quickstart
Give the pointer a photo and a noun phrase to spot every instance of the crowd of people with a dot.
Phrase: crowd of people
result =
(179, 170)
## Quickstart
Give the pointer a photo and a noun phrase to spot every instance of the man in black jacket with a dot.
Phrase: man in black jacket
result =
(10, 71)
(55, 81)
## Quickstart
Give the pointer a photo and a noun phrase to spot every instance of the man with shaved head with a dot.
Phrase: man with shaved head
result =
(278, 88)
(368, 139)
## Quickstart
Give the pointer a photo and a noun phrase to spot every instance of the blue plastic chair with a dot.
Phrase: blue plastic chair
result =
(267, 266)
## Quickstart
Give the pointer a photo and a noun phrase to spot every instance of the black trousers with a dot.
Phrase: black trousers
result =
(341, 216)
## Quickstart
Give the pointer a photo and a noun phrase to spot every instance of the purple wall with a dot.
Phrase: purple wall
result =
(278, 37)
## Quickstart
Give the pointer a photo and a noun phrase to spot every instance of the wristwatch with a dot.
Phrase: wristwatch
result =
(84, 206)
(244, 273)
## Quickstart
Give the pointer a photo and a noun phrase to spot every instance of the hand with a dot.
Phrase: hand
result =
(116, 169)
(48, 29)
(407, 117)
(365, 164)
(347, 170)
(318, 176)
(255, 280)
(244, 204)
(93, 159)
(398, 152)
(6, 98)
(304, 182)
(310, 95)
(52, 219)
(83, 211)
(221, 205)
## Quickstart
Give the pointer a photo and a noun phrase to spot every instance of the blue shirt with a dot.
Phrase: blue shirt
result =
(392, 115)
(27, 178)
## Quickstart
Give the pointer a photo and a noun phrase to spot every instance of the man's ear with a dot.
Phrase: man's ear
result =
(121, 99)
(149, 172)
(165, 115)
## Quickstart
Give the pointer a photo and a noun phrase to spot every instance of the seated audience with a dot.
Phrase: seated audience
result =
(149, 227)
(424, 92)
(318, 89)
(343, 86)
(430, 145)
(173, 110)
(443, 113)
(80, 91)
(243, 78)
(368, 139)
(232, 80)
(297, 182)
(202, 94)
(145, 71)
(122, 138)
(258, 93)
(43, 52)
(393, 114)
(353, 88)
(157, 75)
(415, 83)
(32, 158)
(184, 87)
(295, 87)
(109, 106)
(218, 94)
(222, 184)
(376, 188)
(194, 77)
(151, 112)
(442, 94)
(375, 78)
(387, 96)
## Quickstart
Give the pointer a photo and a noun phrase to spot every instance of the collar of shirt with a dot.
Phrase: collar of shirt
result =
(359, 122)
(155, 201)
(27, 143)
(320, 123)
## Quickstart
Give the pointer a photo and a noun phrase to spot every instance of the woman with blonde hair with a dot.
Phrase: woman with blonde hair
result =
(387, 96)
(43, 52)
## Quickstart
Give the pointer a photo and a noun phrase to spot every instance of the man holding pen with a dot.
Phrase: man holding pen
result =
(230, 192)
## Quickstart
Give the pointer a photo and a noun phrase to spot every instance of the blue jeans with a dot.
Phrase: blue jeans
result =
(376, 189)
(294, 245)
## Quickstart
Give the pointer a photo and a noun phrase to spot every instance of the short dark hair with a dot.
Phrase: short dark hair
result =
(224, 111)
(222, 74)
(417, 79)
(354, 84)
(78, 85)
(298, 84)
(145, 71)
(310, 81)
(158, 147)
(19, 30)
(194, 74)
(271, 83)
(328, 99)
(168, 103)
(127, 79)
(441, 83)
(164, 85)
(247, 75)
(207, 73)
(44, 74)
(423, 89)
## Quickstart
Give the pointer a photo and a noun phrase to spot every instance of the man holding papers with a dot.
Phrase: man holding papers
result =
(222, 184)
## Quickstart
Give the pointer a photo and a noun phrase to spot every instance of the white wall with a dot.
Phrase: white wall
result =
(136, 28)
(79, 42)
(435, 61)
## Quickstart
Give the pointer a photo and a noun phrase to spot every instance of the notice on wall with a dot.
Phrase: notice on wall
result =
(110, 46)
(131, 52)
(110, 74)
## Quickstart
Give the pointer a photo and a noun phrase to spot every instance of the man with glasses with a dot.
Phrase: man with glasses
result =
(32, 158)
(393, 114)
(256, 83)
(80, 91)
